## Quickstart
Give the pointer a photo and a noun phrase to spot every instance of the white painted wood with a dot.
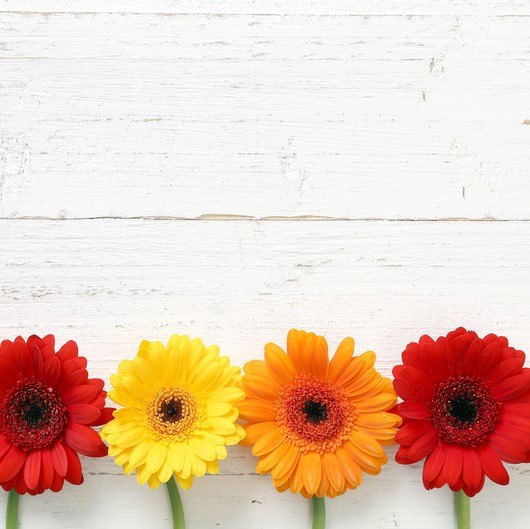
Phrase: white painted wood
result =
(128, 115)
(299, 109)
(328, 7)
(111, 283)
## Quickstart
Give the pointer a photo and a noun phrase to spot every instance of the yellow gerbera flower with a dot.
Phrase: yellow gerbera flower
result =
(317, 424)
(178, 411)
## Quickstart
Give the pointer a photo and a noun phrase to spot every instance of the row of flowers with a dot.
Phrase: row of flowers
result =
(315, 424)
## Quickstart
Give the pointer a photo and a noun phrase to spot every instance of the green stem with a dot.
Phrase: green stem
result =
(12, 510)
(319, 513)
(462, 510)
(176, 504)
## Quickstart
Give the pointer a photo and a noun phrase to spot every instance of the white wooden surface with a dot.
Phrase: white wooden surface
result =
(231, 169)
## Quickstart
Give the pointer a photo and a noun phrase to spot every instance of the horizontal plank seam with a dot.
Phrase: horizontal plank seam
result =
(280, 218)
(221, 14)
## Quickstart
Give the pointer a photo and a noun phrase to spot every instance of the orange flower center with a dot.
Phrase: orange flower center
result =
(33, 415)
(172, 414)
(464, 411)
(314, 414)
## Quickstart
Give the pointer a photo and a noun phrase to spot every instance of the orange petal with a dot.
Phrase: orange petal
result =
(295, 339)
(355, 367)
(369, 464)
(255, 431)
(324, 488)
(319, 359)
(381, 402)
(363, 382)
(256, 367)
(349, 468)
(366, 443)
(261, 387)
(342, 357)
(307, 349)
(279, 364)
(256, 410)
(311, 471)
(268, 442)
(285, 467)
(269, 461)
(333, 471)
(296, 481)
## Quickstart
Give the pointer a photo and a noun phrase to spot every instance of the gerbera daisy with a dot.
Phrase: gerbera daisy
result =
(466, 409)
(47, 408)
(178, 413)
(317, 425)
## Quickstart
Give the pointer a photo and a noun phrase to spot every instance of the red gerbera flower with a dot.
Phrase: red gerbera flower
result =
(47, 407)
(466, 409)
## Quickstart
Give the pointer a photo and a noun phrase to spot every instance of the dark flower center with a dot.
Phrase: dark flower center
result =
(315, 412)
(464, 411)
(32, 415)
(171, 410)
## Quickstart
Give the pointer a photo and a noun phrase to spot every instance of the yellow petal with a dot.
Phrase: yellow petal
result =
(202, 449)
(185, 483)
(175, 456)
(156, 457)
(139, 453)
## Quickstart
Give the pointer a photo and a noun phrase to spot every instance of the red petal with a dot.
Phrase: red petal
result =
(68, 351)
(472, 469)
(505, 369)
(57, 483)
(104, 418)
(411, 355)
(84, 440)
(22, 357)
(433, 465)
(12, 462)
(5, 445)
(512, 387)
(77, 378)
(85, 393)
(75, 473)
(47, 346)
(83, 413)
(418, 381)
(434, 362)
(474, 352)
(487, 360)
(508, 446)
(492, 465)
(452, 468)
(47, 470)
(424, 446)
(518, 409)
(51, 371)
(411, 432)
(414, 409)
(32, 469)
(60, 461)
(97, 383)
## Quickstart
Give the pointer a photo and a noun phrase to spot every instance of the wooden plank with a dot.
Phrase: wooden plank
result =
(342, 7)
(126, 115)
(110, 283)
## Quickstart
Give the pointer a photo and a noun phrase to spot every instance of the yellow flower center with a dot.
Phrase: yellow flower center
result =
(173, 414)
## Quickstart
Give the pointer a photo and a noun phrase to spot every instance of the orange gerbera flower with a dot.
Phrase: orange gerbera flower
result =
(317, 425)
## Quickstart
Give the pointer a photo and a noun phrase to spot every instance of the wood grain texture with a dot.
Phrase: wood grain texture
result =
(400, 118)
(127, 115)
(111, 283)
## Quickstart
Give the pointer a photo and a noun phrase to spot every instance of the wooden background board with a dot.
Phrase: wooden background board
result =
(237, 168)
